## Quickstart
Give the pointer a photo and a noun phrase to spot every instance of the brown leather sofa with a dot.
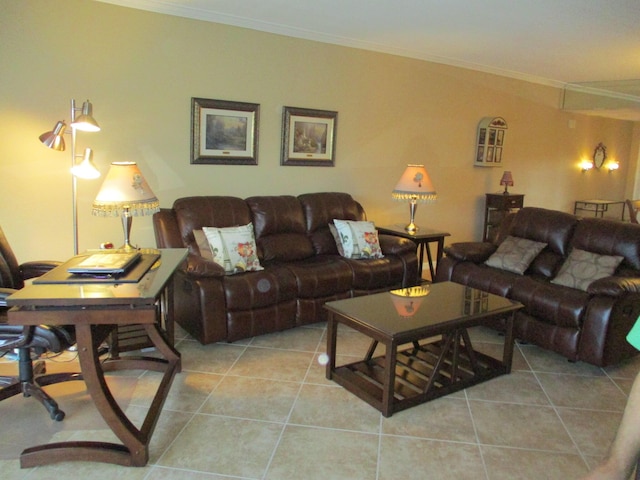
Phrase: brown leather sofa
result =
(588, 326)
(302, 267)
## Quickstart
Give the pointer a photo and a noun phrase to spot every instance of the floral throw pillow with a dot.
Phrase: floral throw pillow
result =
(234, 248)
(582, 268)
(359, 240)
(515, 254)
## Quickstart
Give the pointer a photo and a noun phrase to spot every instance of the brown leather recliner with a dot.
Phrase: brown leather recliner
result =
(589, 326)
(302, 267)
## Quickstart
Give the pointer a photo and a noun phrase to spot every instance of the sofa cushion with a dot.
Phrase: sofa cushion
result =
(319, 211)
(233, 248)
(554, 305)
(280, 228)
(358, 239)
(609, 237)
(515, 254)
(548, 226)
(582, 268)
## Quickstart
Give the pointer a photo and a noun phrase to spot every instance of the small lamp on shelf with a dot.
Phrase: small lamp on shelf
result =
(507, 181)
(125, 193)
(415, 186)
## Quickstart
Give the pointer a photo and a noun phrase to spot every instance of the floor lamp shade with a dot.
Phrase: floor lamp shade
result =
(125, 193)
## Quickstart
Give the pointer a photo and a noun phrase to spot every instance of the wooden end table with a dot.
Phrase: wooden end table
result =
(443, 363)
(422, 238)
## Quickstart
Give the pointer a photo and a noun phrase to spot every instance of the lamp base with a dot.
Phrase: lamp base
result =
(412, 227)
(126, 227)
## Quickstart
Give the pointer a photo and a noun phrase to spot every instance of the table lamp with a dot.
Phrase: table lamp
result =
(125, 193)
(414, 185)
(507, 181)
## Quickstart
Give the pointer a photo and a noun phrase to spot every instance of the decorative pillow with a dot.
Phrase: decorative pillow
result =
(515, 254)
(234, 248)
(582, 268)
(358, 239)
(203, 245)
(336, 237)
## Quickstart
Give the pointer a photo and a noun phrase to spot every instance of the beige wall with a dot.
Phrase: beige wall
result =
(141, 69)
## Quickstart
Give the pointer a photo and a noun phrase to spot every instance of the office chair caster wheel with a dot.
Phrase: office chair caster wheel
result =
(57, 415)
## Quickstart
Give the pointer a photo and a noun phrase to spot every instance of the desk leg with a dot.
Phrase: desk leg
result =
(135, 448)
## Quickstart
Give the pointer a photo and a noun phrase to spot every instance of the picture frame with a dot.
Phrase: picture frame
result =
(308, 137)
(224, 132)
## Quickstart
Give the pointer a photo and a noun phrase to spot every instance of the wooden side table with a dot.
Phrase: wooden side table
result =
(497, 206)
(597, 207)
(422, 238)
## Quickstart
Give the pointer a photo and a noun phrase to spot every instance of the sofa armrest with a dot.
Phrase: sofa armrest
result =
(614, 286)
(393, 245)
(196, 266)
(37, 268)
(476, 252)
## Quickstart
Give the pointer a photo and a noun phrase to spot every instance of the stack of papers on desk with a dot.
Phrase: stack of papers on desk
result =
(105, 263)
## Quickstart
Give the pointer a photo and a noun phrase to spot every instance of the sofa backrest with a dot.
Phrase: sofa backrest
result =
(548, 226)
(322, 208)
(193, 213)
(609, 237)
(279, 225)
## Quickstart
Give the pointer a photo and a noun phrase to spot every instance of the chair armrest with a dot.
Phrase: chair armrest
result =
(614, 286)
(15, 336)
(4, 293)
(476, 252)
(196, 266)
(393, 245)
(37, 268)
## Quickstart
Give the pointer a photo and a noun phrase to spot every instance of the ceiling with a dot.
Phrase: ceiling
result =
(592, 46)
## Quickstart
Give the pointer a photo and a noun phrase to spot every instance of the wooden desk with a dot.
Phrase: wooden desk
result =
(422, 238)
(95, 310)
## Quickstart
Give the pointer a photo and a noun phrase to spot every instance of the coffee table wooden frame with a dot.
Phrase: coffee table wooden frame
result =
(401, 379)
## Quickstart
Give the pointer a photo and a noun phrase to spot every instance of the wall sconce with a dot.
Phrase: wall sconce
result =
(586, 165)
(613, 165)
(85, 169)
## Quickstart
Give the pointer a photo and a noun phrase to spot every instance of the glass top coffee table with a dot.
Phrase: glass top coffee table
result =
(428, 352)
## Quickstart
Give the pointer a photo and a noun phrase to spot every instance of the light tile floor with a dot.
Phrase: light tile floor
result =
(262, 409)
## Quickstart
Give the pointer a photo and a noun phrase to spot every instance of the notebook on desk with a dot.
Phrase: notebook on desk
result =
(133, 274)
(105, 263)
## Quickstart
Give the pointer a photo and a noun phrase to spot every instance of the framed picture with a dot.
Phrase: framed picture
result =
(308, 137)
(223, 132)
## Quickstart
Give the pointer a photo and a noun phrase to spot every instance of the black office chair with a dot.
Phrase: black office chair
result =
(29, 341)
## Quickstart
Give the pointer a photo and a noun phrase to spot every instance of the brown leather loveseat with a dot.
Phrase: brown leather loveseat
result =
(587, 321)
(302, 266)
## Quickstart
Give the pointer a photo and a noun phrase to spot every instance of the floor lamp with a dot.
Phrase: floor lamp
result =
(85, 169)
